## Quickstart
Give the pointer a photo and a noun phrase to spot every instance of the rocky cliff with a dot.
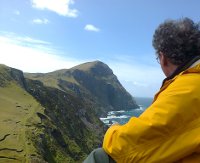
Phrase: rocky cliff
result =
(93, 82)
(54, 117)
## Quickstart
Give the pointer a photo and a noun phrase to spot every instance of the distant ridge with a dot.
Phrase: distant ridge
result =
(93, 82)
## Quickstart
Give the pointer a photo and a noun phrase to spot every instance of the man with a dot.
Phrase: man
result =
(169, 130)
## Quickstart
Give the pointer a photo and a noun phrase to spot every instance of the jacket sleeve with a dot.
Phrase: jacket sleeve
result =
(161, 132)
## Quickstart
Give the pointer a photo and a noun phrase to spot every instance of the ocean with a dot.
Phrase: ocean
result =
(123, 116)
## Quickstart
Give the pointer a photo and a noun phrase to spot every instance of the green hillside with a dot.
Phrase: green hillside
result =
(92, 82)
(43, 124)
(73, 129)
(54, 117)
(18, 120)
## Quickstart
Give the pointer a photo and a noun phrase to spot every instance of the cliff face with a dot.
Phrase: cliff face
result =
(93, 82)
(8, 74)
(54, 117)
(100, 81)
(71, 130)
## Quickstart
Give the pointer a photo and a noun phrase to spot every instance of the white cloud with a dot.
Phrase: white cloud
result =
(23, 41)
(16, 12)
(90, 27)
(61, 7)
(32, 55)
(40, 21)
(30, 40)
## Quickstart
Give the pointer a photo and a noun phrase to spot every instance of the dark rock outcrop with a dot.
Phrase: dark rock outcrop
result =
(8, 74)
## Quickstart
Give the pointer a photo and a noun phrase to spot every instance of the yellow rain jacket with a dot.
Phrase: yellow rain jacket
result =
(168, 131)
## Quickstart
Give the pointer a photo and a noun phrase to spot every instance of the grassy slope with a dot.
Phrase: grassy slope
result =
(51, 79)
(73, 130)
(17, 119)
(26, 136)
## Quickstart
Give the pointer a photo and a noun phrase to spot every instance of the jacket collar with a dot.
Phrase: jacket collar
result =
(189, 63)
(195, 63)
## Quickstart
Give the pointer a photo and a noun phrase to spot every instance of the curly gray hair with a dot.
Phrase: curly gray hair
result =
(179, 40)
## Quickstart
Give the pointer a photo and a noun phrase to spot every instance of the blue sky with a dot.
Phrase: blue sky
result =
(46, 35)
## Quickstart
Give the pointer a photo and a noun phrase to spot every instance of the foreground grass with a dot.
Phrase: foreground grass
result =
(17, 120)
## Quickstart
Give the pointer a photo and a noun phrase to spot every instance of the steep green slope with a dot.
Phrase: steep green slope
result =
(43, 124)
(18, 119)
(53, 117)
(74, 129)
(94, 83)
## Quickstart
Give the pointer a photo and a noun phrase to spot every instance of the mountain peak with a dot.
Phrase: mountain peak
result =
(93, 82)
(95, 67)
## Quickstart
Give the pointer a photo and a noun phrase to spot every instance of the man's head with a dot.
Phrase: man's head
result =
(176, 42)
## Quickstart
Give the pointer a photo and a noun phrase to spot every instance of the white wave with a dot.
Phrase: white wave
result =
(113, 112)
(120, 111)
(111, 116)
(123, 116)
(109, 122)
(140, 108)
(115, 117)
(105, 121)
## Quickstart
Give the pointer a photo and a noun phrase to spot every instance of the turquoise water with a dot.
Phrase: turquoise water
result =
(123, 116)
